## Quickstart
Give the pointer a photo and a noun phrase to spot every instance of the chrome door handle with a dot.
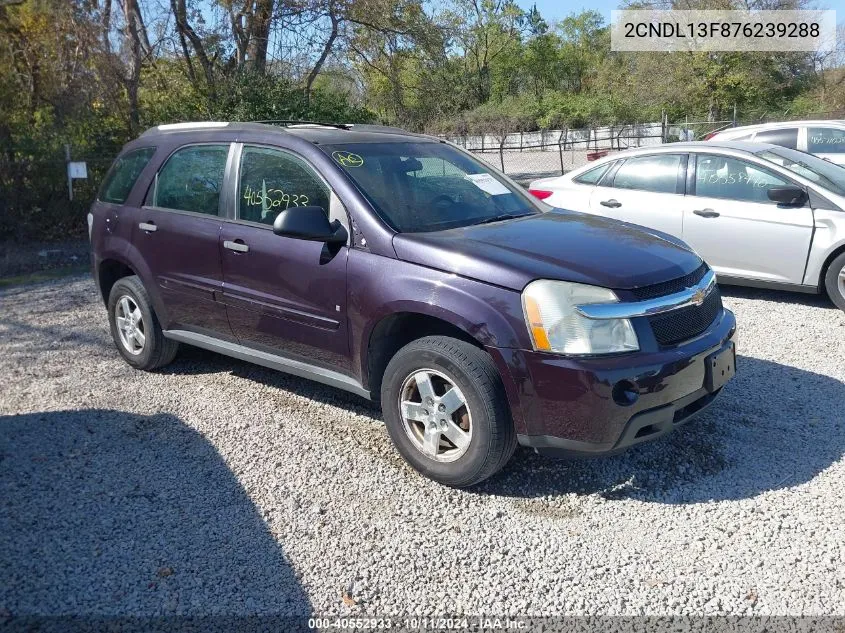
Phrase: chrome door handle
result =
(149, 227)
(613, 204)
(706, 213)
(238, 247)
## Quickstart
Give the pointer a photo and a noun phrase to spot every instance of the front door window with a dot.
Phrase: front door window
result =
(273, 180)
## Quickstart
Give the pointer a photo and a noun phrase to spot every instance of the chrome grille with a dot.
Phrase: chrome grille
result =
(680, 325)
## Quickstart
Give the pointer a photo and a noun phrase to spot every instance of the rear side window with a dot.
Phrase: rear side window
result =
(787, 137)
(272, 181)
(592, 176)
(825, 140)
(191, 179)
(658, 173)
(122, 176)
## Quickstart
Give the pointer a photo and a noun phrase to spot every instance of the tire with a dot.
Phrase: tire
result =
(487, 439)
(834, 281)
(155, 351)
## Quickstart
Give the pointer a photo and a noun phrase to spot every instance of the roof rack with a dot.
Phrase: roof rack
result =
(289, 122)
(185, 125)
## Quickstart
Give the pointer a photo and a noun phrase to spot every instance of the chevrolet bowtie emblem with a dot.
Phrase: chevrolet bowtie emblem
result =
(699, 297)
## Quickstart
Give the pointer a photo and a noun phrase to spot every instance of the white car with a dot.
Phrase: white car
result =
(759, 214)
(825, 139)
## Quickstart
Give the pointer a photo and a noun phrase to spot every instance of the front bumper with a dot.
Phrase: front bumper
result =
(604, 405)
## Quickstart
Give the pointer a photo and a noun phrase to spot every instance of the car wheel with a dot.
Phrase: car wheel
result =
(835, 281)
(135, 327)
(446, 411)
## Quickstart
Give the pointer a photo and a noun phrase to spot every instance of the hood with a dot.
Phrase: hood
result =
(563, 245)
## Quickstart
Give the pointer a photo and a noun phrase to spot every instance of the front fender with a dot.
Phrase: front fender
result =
(828, 238)
(382, 286)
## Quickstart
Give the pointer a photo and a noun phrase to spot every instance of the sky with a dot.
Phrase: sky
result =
(556, 9)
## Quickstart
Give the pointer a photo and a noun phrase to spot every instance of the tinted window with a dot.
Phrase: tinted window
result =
(426, 186)
(122, 176)
(785, 138)
(649, 173)
(593, 175)
(732, 179)
(825, 140)
(272, 181)
(191, 179)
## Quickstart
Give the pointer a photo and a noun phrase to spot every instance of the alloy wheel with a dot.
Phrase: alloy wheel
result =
(436, 416)
(841, 284)
(130, 325)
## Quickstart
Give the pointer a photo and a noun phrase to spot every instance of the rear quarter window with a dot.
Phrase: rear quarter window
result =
(124, 172)
(592, 176)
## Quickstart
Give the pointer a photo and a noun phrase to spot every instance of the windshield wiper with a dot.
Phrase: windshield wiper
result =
(502, 217)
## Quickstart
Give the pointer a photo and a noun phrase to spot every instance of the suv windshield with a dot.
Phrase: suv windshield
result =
(825, 174)
(427, 186)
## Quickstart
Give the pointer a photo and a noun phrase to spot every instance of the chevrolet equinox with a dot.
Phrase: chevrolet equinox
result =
(400, 268)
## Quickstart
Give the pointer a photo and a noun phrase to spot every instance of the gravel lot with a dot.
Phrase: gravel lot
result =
(217, 487)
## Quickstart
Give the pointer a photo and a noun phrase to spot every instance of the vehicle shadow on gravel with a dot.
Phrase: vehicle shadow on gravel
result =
(107, 513)
(773, 427)
(193, 360)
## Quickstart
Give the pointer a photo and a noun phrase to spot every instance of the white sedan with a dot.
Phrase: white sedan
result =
(825, 139)
(759, 214)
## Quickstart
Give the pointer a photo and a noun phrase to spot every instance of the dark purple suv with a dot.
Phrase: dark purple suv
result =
(400, 268)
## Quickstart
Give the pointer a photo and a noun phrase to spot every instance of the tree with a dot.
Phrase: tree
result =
(187, 32)
(584, 38)
(486, 31)
(138, 49)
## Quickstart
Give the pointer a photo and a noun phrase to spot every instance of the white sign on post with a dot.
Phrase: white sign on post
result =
(77, 170)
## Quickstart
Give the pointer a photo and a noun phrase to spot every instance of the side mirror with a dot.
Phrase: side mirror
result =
(309, 223)
(790, 194)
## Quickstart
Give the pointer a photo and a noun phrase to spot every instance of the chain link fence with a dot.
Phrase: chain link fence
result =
(35, 203)
(526, 156)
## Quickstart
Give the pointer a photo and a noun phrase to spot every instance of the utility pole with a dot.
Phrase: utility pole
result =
(67, 170)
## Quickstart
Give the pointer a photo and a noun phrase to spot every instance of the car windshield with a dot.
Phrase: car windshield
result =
(428, 186)
(824, 173)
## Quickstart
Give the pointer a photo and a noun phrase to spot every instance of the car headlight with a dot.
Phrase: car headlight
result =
(555, 326)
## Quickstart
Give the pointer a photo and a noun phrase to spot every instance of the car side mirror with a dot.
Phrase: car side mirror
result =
(309, 223)
(789, 194)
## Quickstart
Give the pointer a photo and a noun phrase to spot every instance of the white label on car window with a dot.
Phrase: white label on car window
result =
(487, 184)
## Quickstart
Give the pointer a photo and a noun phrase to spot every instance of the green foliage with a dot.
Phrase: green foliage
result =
(565, 109)
(33, 177)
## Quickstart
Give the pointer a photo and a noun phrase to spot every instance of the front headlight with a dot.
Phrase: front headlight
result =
(555, 326)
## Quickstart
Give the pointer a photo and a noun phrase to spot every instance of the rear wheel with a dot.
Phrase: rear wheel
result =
(135, 328)
(835, 281)
(446, 411)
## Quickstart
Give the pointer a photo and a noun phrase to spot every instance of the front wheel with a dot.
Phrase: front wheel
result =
(446, 411)
(835, 281)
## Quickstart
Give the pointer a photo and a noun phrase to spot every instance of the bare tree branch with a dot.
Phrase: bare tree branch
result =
(327, 48)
